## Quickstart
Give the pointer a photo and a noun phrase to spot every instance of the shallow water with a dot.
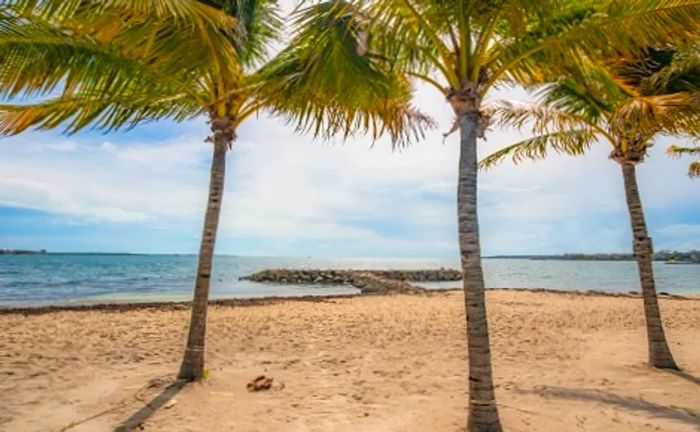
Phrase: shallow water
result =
(70, 279)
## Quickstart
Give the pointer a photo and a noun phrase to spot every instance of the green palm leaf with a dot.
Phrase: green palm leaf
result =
(76, 112)
(41, 55)
(185, 13)
(343, 88)
(573, 142)
(259, 27)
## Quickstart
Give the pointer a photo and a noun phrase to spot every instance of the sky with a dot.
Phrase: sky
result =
(144, 191)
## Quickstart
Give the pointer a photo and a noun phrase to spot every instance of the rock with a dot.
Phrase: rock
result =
(370, 283)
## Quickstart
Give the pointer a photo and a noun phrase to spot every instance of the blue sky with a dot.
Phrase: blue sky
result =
(145, 190)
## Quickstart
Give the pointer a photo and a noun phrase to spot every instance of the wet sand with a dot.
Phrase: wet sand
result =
(562, 362)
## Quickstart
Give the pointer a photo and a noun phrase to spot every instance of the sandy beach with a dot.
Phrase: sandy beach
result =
(563, 362)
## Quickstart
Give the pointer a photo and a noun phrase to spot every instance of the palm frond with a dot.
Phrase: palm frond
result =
(39, 59)
(193, 14)
(428, 28)
(326, 82)
(679, 151)
(40, 54)
(673, 113)
(572, 142)
(663, 70)
(683, 74)
(107, 113)
(591, 93)
(645, 23)
(598, 28)
(541, 119)
(328, 49)
(401, 121)
(259, 26)
(542, 46)
(694, 169)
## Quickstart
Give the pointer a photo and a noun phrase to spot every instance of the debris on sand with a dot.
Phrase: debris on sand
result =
(263, 382)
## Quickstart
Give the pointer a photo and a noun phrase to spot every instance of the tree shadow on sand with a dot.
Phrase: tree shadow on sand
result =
(671, 412)
(149, 408)
(686, 376)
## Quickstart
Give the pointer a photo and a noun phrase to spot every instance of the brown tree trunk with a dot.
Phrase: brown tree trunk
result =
(192, 367)
(659, 353)
(483, 412)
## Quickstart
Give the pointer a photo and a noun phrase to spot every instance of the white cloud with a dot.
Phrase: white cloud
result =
(96, 183)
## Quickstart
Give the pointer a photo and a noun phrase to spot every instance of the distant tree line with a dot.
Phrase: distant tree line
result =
(692, 256)
(666, 255)
(21, 252)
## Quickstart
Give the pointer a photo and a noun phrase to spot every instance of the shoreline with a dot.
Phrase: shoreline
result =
(129, 305)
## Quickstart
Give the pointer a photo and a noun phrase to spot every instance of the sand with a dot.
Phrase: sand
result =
(562, 362)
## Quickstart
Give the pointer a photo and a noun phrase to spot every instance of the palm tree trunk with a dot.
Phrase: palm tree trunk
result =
(483, 412)
(659, 353)
(192, 367)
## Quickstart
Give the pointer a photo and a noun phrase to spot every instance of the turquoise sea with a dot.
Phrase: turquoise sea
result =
(83, 279)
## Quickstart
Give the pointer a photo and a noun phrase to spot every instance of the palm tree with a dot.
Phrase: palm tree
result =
(118, 63)
(678, 151)
(626, 108)
(465, 48)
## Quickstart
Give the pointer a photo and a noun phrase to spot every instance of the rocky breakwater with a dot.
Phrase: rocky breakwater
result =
(368, 281)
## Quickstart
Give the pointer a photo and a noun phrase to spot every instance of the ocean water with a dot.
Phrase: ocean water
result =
(84, 279)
